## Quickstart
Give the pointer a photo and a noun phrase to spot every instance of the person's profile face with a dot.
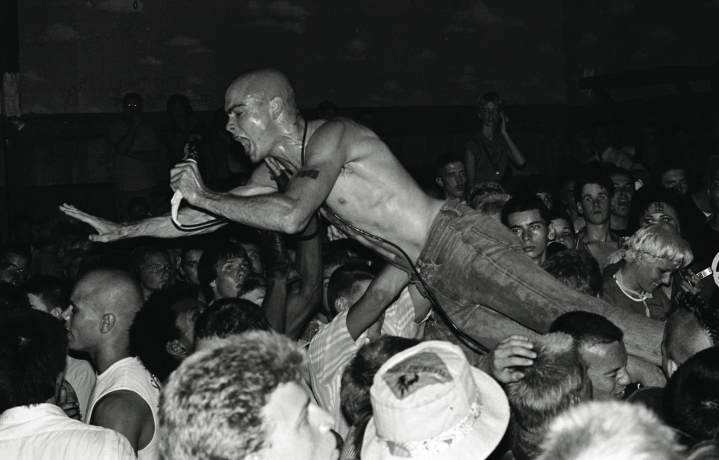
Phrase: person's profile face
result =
(623, 192)
(547, 198)
(187, 310)
(231, 275)
(654, 272)
(659, 212)
(300, 429)
(595, 204)
(676, 179)
(155, 272)
(532, 231)
(248, 122)
(21, 264)
(607, 368)
(453, 179)
(82, 318)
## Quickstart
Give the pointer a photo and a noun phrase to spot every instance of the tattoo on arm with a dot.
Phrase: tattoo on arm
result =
(312, 174)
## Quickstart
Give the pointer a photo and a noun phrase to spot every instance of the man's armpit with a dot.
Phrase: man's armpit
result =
(309, 173)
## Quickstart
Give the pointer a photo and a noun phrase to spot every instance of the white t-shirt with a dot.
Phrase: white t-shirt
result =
(129, 374)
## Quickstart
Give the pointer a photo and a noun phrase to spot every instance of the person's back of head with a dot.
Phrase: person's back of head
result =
(488, 198)
(155, 337)
(13, 298)
(51, 294)
(358, 376)
(230, 385)
(347, 284)
(553, 383)
(228, 318)
(691, 398)
(576, 269)
(588, 329)
(609, 431)
(33, 351)
(692, 326)
(525, 202)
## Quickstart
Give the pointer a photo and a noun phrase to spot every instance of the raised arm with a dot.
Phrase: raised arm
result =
(288, 212)
(378, 297)
(162, 226)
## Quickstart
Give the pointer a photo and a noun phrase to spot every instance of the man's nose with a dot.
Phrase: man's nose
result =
(623, 378)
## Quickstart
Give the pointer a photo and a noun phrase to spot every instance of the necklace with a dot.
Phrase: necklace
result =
(633, 295)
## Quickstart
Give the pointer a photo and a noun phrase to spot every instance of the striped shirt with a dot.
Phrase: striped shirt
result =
(332, 348)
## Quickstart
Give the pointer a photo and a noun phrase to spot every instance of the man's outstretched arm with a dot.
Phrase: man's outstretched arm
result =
(288, 212)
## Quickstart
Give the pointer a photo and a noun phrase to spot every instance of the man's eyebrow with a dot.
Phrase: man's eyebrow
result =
(241, 104)
(537, 222)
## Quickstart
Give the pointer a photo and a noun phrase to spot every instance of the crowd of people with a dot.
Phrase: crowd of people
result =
(331, 308)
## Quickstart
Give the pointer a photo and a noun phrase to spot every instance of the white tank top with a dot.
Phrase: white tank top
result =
(130, 374)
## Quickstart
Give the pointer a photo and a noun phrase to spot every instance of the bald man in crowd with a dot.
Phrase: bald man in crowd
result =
(344, 169)
(692, 326)
(126, 396)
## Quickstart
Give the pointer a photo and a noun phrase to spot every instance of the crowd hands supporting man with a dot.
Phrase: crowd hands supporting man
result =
(281, 332)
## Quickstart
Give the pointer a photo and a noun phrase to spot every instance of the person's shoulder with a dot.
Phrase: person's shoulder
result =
(119, 404)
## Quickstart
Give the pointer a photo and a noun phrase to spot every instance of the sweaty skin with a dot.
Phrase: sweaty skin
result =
(347, 168)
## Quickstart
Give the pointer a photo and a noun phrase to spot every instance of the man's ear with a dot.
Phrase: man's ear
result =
(175, 348)
(107, 323)
(213, 284)
(439, 182)
(580, 210)
(276, 106)
(341, 305)
(552, 233)
(671, 367)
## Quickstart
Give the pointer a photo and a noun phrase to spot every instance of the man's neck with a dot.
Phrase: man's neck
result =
(288, 147)
(538, 261)
(597, 232)
(619, 222)
(109, 354)
(714, 222)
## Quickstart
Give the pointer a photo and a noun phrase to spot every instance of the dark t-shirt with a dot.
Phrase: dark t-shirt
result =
(658, 305)
(491, 157)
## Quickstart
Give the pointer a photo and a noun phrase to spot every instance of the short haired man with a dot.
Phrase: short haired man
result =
(528, 218)
(576, 269)
(162, 333)
(427, 395)
(201, 419)
(563, 228)
(692, 326)
(555, 382)
(359, 319)
(621, 203)
(48, 293)
(225, 319)
(593, 195)
(601, 345)
(155, 268)
(33, 349)
(104, 303)
(137, 152)
(691, 398)
(222, 270)
(190, 258)
(654, 254)
(452, 177)
(610, 430)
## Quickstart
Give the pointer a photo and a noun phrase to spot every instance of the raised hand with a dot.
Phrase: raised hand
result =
(107, 230)
(514, 351)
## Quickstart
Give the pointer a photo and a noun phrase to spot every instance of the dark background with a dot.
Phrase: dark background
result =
(416, 66)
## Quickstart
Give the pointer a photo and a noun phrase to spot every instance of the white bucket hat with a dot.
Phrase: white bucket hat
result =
(429, 403)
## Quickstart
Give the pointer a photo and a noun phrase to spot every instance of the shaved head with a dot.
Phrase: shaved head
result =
(261, 85)
(685, 337)
(114, 291)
